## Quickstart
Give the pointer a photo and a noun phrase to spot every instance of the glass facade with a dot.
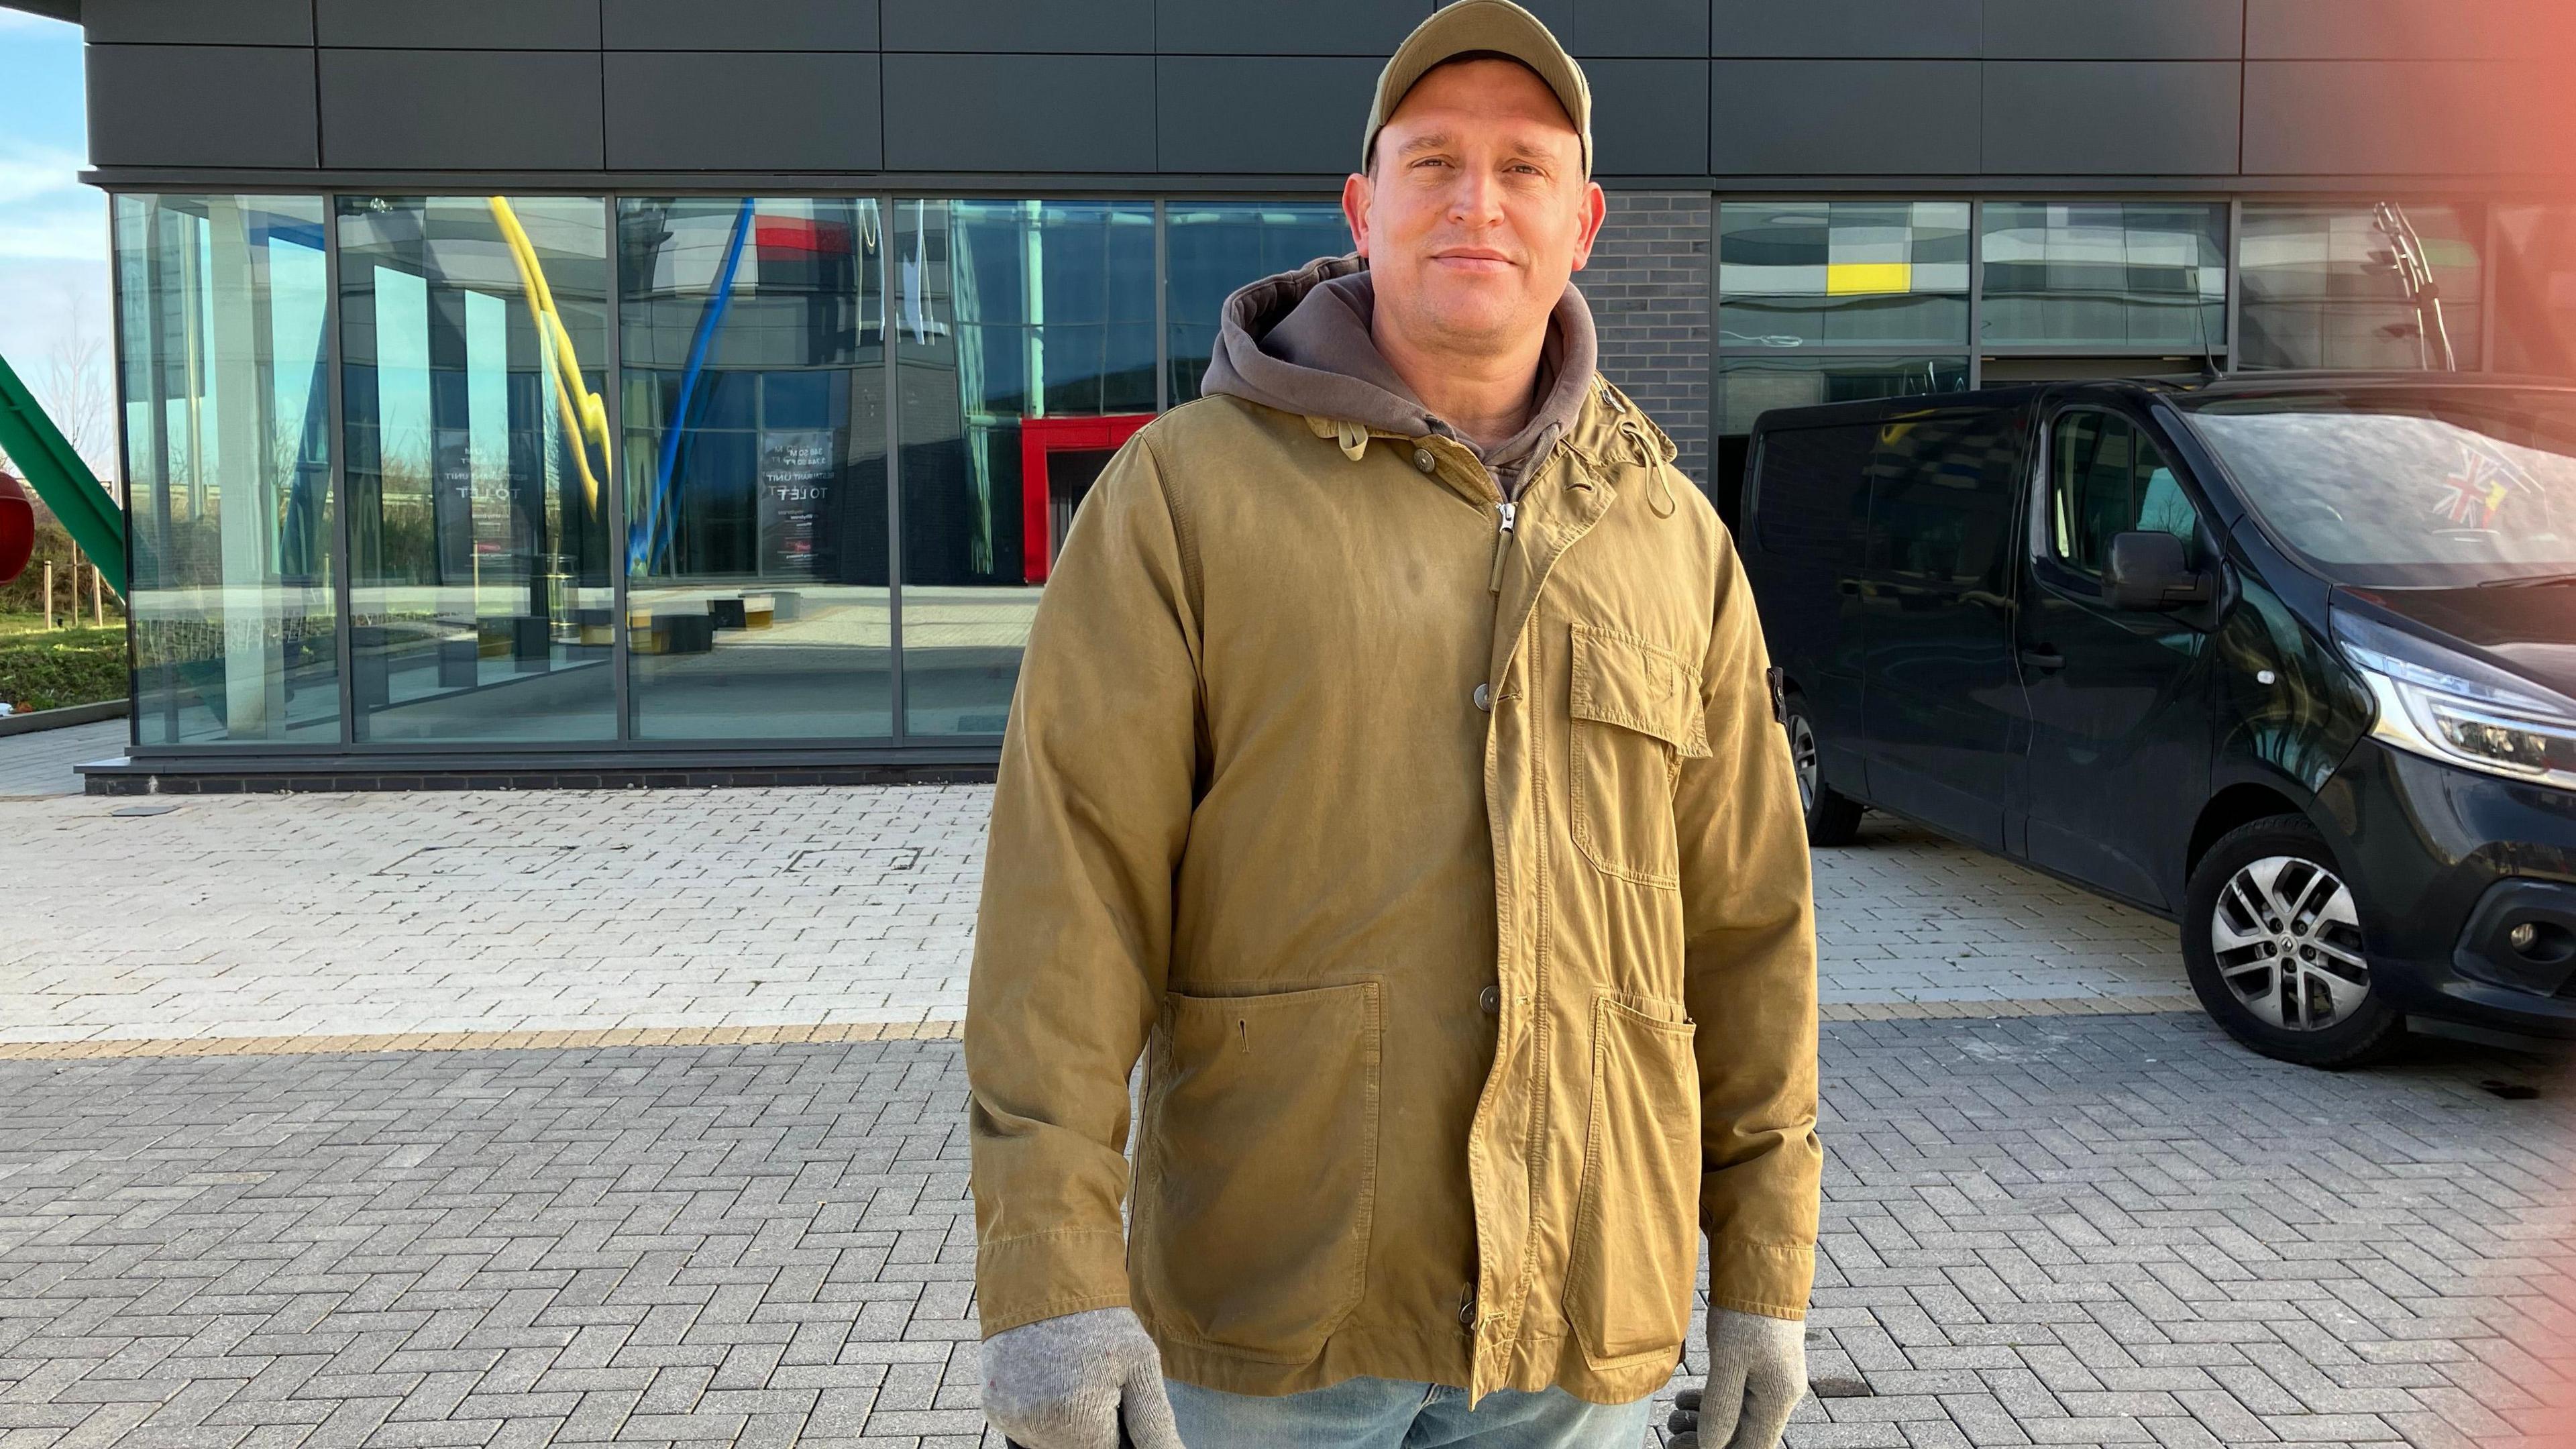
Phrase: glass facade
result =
(1883, 274)
(473, 352)
(566, 472)
(1750, 386)
(222, 301)
(2103, 275)
(1024, 355)
(2380, 285)
(751, 348)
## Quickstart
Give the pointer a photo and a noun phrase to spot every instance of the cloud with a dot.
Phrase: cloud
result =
(29, 172)
(45, 213)
(20, 20)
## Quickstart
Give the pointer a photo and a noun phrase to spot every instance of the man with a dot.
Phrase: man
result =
(1393, 768)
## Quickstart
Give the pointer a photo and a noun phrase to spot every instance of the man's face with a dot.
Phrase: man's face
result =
(1476, 210)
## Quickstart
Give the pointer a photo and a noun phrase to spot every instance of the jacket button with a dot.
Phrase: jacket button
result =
(1423, 460)
(1484, 696)
(1491, 999)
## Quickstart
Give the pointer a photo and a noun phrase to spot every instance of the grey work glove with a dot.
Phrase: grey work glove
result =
(1757, 1372)
(1061, 1383)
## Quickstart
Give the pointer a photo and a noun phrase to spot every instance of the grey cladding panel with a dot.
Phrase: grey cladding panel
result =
(460, 24)
(1311, 111)
(1045, 27)
(1020, 113)
(2395, 29)
(1639, 27)
(1847, 29)
(193, 105)
(461, 109)
(739, 24)
(815, 111)
(2114, 29)
(1255, 27)
(1649, 117)
(2454, 118)
(2110, 117)
(1854, 117)
(236, 22)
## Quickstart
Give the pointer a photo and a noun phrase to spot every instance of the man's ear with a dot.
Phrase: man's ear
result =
(1355, 203)
(1596, 209)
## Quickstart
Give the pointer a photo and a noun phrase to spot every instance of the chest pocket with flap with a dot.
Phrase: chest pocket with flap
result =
(1635, 717)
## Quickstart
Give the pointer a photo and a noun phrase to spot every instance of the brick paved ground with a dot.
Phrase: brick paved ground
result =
(2044, 1227)
(2051, 1230)
(253, 916)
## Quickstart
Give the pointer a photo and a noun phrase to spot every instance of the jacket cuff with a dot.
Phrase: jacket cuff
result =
(1771, 1279)
(1048, 1275)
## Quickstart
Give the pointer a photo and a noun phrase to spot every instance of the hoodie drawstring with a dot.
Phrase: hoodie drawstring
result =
(1353, 437)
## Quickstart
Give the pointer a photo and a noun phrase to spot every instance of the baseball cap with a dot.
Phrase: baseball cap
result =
(1487, 25)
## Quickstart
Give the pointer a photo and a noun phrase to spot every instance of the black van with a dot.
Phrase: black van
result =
(2289, 660)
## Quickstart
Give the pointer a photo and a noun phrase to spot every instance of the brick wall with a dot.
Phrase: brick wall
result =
(1648, 283)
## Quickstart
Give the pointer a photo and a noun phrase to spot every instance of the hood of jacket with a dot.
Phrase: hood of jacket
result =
(1299, 341)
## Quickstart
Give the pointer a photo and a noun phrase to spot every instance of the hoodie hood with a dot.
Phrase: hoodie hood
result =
(1299, 341)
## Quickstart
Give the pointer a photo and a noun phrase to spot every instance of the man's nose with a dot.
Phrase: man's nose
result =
(1477, 197)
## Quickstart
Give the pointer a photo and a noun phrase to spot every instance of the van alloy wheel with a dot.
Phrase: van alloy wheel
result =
(1802, 751)
(2286, 941)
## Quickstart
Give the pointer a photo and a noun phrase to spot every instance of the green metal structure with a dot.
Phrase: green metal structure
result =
(61, 479)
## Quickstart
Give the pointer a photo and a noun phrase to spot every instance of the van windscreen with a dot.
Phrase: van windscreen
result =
(2430, 486)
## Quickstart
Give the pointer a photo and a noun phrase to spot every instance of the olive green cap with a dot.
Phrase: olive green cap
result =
(1492, 25)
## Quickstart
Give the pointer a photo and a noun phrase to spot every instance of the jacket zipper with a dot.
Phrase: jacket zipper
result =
(1502, 544)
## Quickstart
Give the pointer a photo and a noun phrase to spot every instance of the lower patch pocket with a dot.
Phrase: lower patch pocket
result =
(1635, 1256)
(1259, 1167)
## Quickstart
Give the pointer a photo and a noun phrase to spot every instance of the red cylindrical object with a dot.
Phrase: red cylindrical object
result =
(17, 529)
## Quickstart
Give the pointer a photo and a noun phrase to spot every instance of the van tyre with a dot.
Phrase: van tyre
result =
(2271, 935)
(1832, 819)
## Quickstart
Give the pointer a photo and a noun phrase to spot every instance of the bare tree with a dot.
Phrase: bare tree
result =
(80, 396)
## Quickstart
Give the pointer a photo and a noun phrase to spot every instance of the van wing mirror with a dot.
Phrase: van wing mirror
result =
(2147, 571)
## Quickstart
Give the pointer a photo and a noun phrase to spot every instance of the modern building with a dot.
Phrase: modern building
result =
(605, 389)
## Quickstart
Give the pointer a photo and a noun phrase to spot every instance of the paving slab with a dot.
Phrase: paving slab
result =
(2067, 1229)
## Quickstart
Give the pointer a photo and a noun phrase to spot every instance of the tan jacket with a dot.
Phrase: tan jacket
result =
(1464, 1009)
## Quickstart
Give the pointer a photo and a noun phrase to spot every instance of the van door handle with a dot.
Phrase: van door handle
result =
(2043, 658)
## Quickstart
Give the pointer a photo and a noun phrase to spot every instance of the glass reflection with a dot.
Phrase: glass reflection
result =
(1025, 358)
(1749, 386)
(1880, 272)
(474, 352)
(752, 340)
(222, 301)
(2360, 286)
(1209, 250)
(2107, 274)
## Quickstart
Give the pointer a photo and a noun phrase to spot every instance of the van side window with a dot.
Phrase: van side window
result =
(1942, 497)
(2108, 478)
(1810, 493)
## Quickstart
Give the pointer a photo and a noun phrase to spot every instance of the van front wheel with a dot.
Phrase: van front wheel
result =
(1832, 819)
(2272, 937)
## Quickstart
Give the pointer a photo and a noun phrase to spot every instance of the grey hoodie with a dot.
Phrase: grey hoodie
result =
(1299, 341)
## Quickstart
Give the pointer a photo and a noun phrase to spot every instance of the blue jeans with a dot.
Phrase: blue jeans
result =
(1402, 1414)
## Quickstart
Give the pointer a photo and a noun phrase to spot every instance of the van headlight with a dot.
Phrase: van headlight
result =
(2443, 704)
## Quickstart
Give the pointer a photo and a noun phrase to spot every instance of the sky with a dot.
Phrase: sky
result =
(53, 230)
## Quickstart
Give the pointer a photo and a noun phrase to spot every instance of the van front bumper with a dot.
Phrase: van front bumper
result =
(2467, 887)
